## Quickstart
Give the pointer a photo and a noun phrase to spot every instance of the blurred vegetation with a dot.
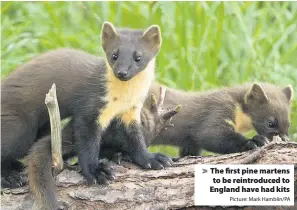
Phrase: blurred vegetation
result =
(205, 45)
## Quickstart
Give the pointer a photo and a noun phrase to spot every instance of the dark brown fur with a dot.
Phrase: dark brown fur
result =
(202, 122)
(39, 168)
(86, 87)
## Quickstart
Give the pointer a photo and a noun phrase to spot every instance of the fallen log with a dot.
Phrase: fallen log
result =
(135, 188)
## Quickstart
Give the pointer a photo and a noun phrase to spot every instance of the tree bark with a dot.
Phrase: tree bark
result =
(135, 188)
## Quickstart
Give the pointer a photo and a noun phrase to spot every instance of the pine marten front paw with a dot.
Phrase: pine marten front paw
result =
(14, 180)
(104, 172)
(155, 161)
(120, 157)
(256, 141)
(284, 138)
(162, 159)
(189, 151)
(100, 173)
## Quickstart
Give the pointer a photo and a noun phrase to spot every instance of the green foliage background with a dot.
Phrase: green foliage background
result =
(205, 45)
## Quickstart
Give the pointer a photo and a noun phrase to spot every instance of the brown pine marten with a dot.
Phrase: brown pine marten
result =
(201, 123)
(39, 159)
(93, 91)
(216, 120)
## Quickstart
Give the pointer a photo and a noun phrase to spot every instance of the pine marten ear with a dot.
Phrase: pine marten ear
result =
(288, 91)
(108, 34)
(152, 38)
(256, 93)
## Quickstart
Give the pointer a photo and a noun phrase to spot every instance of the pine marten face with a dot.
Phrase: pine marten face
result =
(129, 52)
(270, 110)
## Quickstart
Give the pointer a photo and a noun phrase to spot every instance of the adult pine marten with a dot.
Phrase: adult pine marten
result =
(93, 91)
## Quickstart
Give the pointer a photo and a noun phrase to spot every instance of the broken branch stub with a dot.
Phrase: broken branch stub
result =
(163, 116)
(51, 102)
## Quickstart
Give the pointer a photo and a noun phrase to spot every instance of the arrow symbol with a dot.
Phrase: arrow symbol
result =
(204, 171)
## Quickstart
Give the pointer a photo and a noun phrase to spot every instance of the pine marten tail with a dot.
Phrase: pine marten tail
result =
(41, 180)
(39, 168)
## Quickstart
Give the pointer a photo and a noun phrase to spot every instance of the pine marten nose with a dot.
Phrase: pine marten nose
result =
(122, 73)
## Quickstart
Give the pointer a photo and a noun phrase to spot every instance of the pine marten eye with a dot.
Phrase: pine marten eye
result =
(272, 124)
(137, 58)
(114, 56)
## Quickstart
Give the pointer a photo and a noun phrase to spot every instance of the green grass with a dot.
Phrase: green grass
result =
(205, 45)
